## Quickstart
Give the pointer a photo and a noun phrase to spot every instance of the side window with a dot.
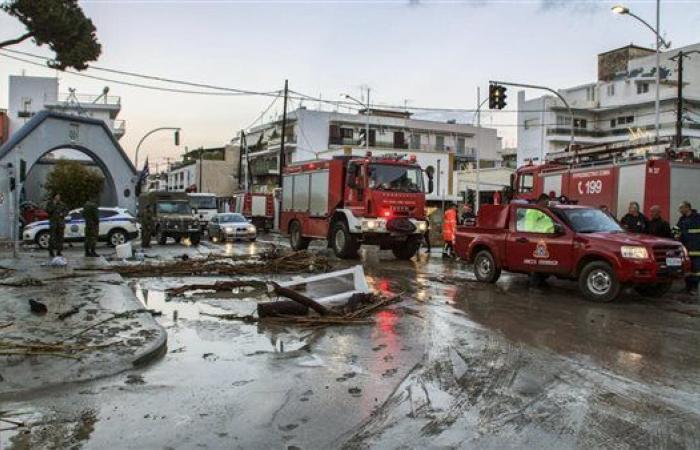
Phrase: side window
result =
(104, 213)
(76, 216)
(527, 182)
(530, 220)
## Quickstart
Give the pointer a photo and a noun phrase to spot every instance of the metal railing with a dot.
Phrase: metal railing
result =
(89, 98)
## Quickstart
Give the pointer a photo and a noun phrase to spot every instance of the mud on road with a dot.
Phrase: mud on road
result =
(459, 364)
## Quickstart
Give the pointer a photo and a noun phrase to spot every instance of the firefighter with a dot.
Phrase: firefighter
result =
(634, 221)
(92, 227)
(57, 224)
(688, 232)
(657, 226)
(146, 227)
(449, 229)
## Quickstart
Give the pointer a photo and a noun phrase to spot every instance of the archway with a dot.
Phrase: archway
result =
(49, 131)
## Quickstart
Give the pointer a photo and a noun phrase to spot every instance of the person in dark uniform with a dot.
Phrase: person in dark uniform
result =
(657, 226)
(634, 221)
(146, 227)
(57, 224)
(688, 232)
(92, 227)
(467, 218)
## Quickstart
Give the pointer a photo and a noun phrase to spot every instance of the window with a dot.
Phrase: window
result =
(612, 123)
(621, 121)
(530, 220)
(611, 90)
(395, 178)
(590, 93)
(531, 123)
(527, 181)
(580, 123)
(439, 142)
(461, 145)
(104, 213)
(346, 133)
(642, 88)
(415, 141)
(78, 215)
(563, 120)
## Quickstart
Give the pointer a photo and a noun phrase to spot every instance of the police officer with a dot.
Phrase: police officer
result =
(146, 227)
(688, 232)
(92, 227)
(57, 224)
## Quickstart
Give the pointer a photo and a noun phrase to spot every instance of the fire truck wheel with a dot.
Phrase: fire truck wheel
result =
(485, 268)
(296, 240)
(406, 250)
(344, 244)
(653, 290)
(598, 282)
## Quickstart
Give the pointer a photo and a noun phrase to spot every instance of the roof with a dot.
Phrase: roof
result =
(630, 46)
(41, 116)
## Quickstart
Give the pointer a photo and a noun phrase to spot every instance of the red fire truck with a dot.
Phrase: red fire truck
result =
(613, 176)
(258, 208)
(351, 201)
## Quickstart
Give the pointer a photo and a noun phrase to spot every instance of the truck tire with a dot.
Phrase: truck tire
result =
(195, 238)
(345, 245)
(653, 290)
(296, 240)
(406, 250)
(485, 268)
(598, 282)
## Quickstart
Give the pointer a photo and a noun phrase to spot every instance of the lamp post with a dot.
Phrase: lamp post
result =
(623, 10)
(350, 97)
(477, 116)
(177, 141)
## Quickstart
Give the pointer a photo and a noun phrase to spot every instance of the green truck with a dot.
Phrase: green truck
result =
(172, 216)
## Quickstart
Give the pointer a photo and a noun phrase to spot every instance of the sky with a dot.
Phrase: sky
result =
(415, 52)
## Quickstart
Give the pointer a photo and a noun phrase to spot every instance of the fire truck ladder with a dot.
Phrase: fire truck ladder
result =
(607, 152)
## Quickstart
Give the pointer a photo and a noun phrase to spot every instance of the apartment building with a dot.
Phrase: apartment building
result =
(618, 107)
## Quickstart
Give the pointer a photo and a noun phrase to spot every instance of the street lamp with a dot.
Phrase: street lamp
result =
(367, 113)
(176, 135)
(623, 10)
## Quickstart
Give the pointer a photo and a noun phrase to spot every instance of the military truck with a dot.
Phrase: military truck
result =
(172, 216)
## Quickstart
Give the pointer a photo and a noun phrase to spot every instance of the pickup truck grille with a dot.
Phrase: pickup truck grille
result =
(661, 252)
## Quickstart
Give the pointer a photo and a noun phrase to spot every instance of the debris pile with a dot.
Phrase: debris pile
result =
(274, 261)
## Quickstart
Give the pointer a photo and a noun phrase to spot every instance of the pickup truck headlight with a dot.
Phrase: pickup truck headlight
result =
(633, 252)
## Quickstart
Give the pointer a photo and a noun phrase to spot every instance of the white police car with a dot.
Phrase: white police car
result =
(117, 226)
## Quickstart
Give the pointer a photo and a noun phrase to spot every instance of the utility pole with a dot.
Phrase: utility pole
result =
(240, 160)
(477, 199)
(367, 126)
(282, 161)
(201, 150)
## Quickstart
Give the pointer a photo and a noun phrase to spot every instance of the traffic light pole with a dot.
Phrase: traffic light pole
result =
(545, 88)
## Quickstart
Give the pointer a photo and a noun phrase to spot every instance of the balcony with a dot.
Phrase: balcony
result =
(119, 128)
(85, 99)
(82, 104)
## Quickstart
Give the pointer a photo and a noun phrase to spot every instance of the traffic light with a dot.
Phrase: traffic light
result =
(177, 137)
(497, 96)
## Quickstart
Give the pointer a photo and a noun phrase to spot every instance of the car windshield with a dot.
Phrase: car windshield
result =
(395, 178)
(174, 207)
(203, 202)
(232, 218)
(590, 220)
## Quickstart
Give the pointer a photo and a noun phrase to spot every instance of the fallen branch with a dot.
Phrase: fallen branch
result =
(5, 325)
(30, 353)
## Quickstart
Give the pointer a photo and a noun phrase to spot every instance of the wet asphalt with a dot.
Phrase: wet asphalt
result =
(457, 364)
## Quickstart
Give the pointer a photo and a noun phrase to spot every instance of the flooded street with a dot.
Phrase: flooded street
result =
(456, 364)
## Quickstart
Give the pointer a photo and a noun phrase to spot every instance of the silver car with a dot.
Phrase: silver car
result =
(229, 226)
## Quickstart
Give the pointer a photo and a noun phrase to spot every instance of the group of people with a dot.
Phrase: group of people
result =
(450, 220)
(687, 231)
(57, 212)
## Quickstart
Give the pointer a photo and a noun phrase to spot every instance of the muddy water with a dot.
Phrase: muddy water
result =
(458, 364)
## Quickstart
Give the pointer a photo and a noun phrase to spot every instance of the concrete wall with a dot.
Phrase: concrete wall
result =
(35, 91)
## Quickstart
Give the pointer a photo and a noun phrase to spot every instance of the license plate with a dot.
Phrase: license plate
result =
(673, 262)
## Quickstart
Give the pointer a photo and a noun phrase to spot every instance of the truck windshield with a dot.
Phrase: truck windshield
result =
(203, 202)
(395, 178)
(590, 220)
(174, 207)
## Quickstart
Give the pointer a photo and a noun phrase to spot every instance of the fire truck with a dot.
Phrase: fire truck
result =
(350, 201)
(613, 175)
(258, 208)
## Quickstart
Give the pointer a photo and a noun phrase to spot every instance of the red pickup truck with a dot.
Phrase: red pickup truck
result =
(572, 242)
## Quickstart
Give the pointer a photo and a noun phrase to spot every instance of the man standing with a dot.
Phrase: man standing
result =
(92, 227)
(449, 230)
(689, 235)
(146, 227)
(57, 225)
(468, 218)
(634, 221)
(657, 226)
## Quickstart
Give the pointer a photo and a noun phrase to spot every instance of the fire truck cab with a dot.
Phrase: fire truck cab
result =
(350, 201)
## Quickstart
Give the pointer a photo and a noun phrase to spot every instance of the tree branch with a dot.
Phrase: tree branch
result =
(14, 41)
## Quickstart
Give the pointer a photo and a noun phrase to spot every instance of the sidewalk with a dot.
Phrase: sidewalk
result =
(104, 349)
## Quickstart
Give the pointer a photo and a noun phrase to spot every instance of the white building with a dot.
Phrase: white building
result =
(29, 95)
(313, 134)
(618, 107)
(214, 171)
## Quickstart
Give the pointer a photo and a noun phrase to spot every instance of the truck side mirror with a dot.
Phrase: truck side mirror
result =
(559, 229)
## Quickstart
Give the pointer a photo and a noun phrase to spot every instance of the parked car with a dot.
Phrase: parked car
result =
(225, 226)
(117, 226)
(31, 212)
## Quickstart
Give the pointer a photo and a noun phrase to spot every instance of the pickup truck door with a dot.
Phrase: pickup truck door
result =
(534, 245)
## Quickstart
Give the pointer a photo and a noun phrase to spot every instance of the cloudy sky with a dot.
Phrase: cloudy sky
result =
(424, 53)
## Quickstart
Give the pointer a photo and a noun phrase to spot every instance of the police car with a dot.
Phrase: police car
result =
(117, 226)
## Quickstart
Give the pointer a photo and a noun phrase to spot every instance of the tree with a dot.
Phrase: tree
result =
(75, 182)
(61, 25)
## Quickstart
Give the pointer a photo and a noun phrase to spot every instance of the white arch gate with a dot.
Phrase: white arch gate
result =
(48, 131)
